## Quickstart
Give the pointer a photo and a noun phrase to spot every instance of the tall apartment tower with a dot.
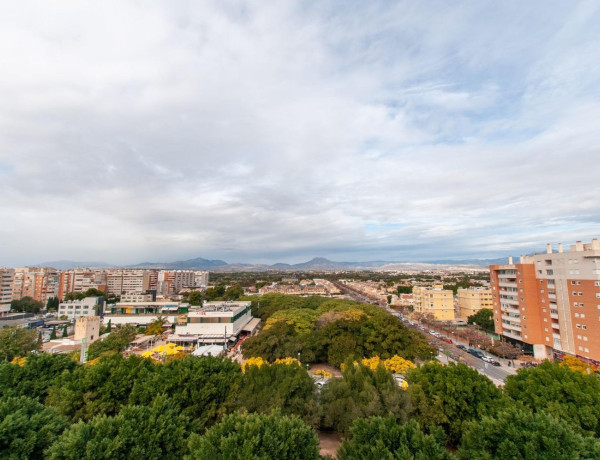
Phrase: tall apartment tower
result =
(39, 283)
(435, 300)
(6, 281)
(551, 301)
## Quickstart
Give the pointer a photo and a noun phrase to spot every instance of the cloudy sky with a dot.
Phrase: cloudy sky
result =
(271, 131)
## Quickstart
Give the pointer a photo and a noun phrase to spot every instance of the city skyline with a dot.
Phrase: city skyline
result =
(263, 133)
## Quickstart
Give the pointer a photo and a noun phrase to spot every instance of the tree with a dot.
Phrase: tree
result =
(483, 318)
(65, 332)
(506, 350)
(152, 432)
(256, 437)
(35, 377)
(195, 298)
(156, 327)
(52, 304)
(560, 391)
(361, 392)
(234, 292)
(117, 341)
(377, 437)
(215, 293)
(16, 341)
(450, 396)
(284, 387)
(27, 428)
(26, 305)
(519, 434)
(109, 326)
(53, 333)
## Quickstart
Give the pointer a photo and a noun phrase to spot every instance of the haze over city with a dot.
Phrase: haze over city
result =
(274, 132)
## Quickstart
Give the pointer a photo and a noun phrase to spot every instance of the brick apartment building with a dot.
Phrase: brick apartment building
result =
(550, 301)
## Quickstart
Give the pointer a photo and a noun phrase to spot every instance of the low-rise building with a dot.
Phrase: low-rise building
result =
(142, 313)
(90, 306)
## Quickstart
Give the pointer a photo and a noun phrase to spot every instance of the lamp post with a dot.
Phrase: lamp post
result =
(298, 357)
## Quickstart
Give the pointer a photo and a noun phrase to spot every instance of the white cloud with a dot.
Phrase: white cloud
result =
(255, 131)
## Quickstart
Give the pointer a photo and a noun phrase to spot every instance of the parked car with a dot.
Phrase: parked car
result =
(495, 363)
(461, 346)
(476, 353)
(448, 340)
(487, 359)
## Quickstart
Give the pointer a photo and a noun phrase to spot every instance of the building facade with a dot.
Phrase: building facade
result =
(222, 319)
(88, 328)
(436, 301)
(72, 309)
(551, 301)
(79, 280)
(471, 300)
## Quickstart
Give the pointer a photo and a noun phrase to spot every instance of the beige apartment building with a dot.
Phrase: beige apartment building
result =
(434, 300)
(80, 280)
(471, 300)
(551, 301)
(39, 283)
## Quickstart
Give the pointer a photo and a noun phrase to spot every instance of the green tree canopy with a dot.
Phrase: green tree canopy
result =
(256, 437)
(33, 379)
(117, 341)
(27, 428)
(450, 396)
(234, 292)
(522, 435)
(284, 387)
(17, 341)
(27, 305)
(195, 298)
(385, 438)
(361, 392)
(154, 432)
(483, 318)
(561, 392)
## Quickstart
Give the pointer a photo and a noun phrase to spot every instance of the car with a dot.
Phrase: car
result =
(461, 346)
(487, 359)
(495, 363)
(475, 353)
(447, 340)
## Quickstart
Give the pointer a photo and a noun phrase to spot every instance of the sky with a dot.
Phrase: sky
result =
(277, 131)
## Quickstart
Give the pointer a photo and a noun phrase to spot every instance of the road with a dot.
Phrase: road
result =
(449, 352)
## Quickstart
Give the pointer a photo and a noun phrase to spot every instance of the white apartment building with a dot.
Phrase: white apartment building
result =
(173, 281)
(6, 279)
(72, 309)
(127, 281)
(201, 278)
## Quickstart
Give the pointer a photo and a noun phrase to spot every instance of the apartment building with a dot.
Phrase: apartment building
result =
(6, 280)
(435, 300)
(127, 281)
(173, 281)
(39, 283)
(79, 280)
(551, 301)
(200, 278)
(471, 300)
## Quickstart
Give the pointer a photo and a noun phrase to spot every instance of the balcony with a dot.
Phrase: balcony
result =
(551, 296)
(555, 326)
(508, 284)
(554, 315)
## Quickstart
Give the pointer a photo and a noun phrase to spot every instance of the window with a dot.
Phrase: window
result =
(596, 283)
(576, 315)
(583, 315)
(579, 337)
(587, 350)
(573, 282)
(585, 339)
(578, 326)
(575, 304)
(583, 326)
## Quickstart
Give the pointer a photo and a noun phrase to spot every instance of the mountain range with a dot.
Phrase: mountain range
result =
(315, 264)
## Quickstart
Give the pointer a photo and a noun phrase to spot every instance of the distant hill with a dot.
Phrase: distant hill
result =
(191, 264)
(69, 264)
(315, 264)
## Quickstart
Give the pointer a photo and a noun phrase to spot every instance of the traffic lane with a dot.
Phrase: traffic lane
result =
(458, 355)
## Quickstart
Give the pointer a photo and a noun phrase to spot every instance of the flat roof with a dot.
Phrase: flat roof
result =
(252, 324)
